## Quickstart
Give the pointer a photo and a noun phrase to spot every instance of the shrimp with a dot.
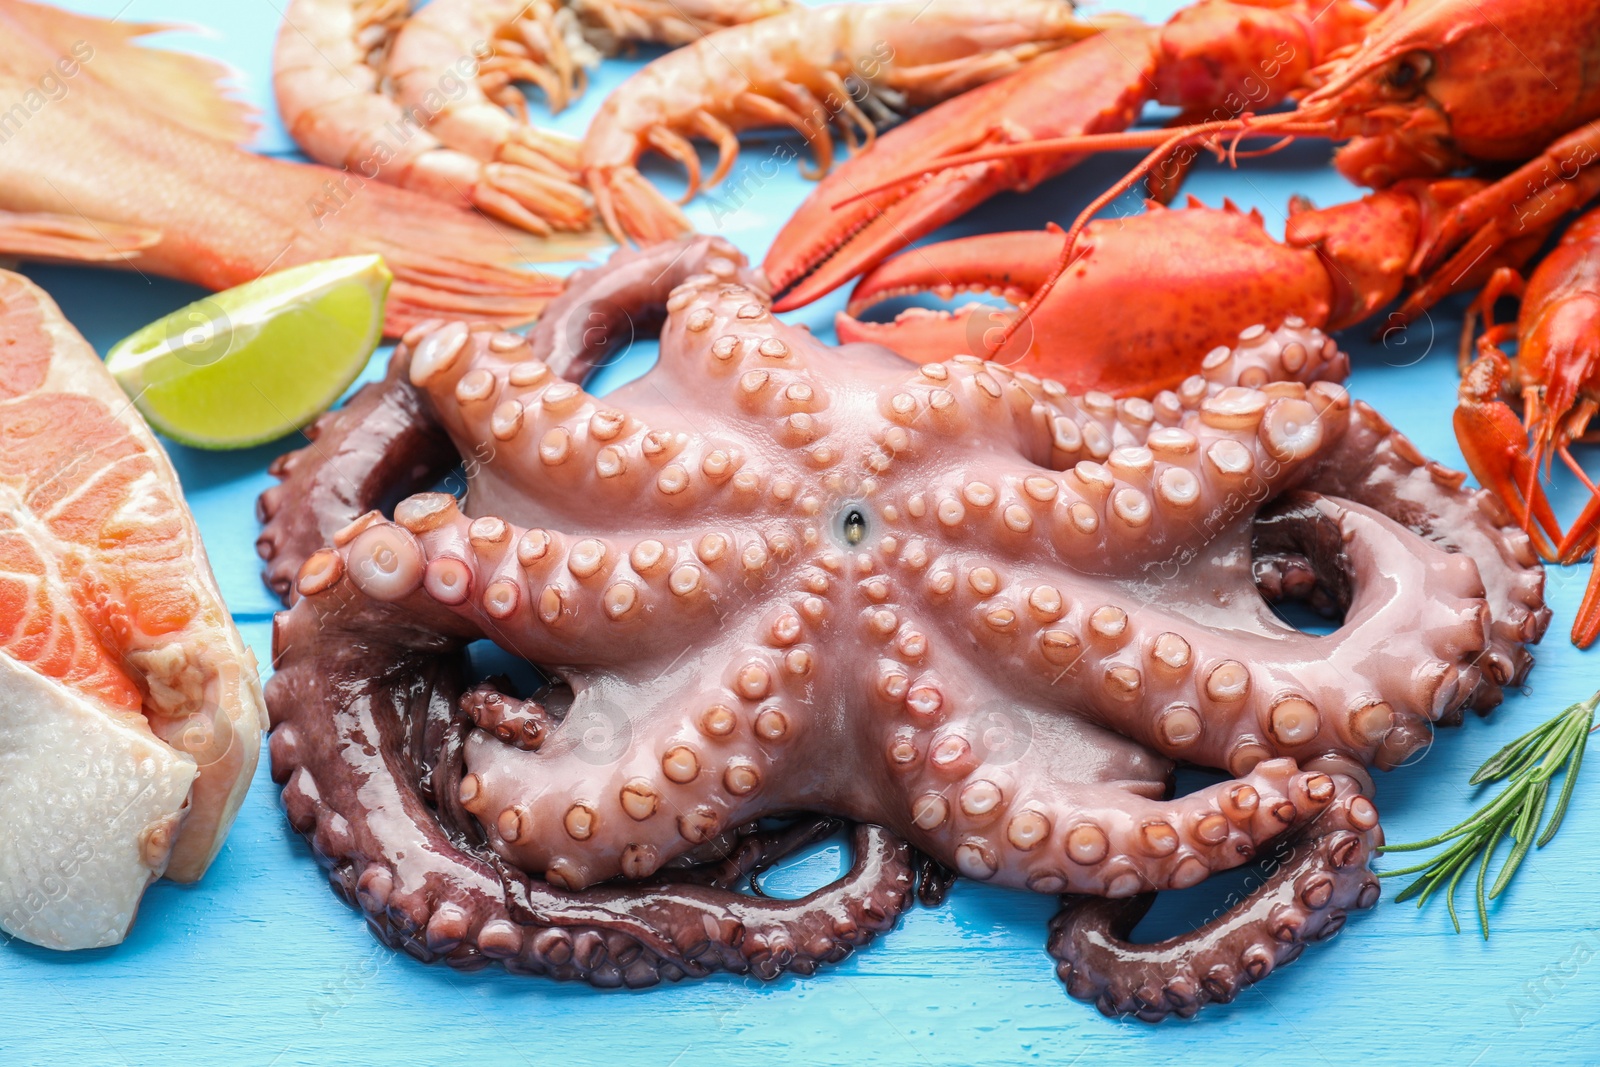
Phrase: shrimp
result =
(545, 43)
(610, 25)
(326, 75)
(808, 69)
(137, 165)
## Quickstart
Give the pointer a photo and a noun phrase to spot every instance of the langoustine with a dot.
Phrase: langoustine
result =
(956, 601)
(548, 43)
(183, 201)
(810, 70)
(429, 100)
(327, 74)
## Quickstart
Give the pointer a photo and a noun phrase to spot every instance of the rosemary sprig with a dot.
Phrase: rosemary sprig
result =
(1527, 765)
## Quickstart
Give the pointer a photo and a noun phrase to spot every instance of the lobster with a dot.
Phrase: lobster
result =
(1556, 375)
(1196, 274)
(1435, 87)
(1214, 58)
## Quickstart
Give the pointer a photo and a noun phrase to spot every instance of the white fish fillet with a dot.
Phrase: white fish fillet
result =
(83, 797)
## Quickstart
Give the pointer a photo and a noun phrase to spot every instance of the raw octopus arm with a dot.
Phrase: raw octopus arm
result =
(1127, 484)
(1306, 898)
(1377, 465)
(756, 852)
(539, 435)
(382, 444)
(1227, 698)
(1374, 464)
(543, 595)
(606, 306)
(361, 792)
(767, 936)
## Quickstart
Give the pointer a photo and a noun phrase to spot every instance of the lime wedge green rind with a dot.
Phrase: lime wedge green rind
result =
(251, 364)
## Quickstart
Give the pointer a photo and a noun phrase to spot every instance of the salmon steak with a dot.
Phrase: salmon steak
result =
(130, 709)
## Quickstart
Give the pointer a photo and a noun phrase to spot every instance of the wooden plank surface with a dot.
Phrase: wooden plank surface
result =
(260, 965)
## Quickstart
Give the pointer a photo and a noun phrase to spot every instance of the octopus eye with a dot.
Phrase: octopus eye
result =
(853, 525)
(1410, 71)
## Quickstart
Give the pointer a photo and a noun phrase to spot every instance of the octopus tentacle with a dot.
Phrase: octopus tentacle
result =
(1138, 664)
(537, 593)
(603, 308)
(757, 852)
(434, 899)
(1294, 352)
(1108, 840)
(1054, 429)
(1145, 505)
(519, 423)
(1414, 661)
(382, 444)
(1260, 358)
(767, 936)
(547, 453)
(1139, 478)
(934, 880)
(1376, 465)
(360, 792)
(1306, 897)
(719, 344)
(521, 723)
(627, 786)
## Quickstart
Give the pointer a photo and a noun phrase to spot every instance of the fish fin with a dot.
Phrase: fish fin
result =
(185, 88)
(73, 238)
(447, 262)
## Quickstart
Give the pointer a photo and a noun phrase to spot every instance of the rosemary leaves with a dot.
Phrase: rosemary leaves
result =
(1527, 765)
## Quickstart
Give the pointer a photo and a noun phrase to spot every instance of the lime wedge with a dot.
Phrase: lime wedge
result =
(258, 361)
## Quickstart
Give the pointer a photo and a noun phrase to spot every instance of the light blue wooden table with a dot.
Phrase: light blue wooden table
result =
(260, 964)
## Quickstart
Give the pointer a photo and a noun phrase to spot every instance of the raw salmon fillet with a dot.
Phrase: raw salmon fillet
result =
(130, 710)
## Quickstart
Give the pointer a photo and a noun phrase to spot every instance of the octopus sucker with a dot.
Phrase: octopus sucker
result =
(953, 605)
(1320, 876)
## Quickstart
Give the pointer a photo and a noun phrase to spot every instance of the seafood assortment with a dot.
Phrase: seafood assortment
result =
(798, 577)
(1213, 57)
(1412, 102)
(137, 165)
(972, 585)
(130, 710)
(429, 100)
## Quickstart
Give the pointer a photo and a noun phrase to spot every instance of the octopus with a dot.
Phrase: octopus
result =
(773, 583)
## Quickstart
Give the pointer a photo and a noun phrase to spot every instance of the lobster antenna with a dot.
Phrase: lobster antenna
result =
(1246, 125)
